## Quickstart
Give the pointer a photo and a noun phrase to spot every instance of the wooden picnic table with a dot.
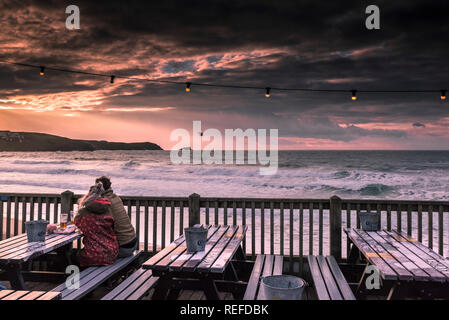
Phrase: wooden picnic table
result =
(16, 251)
(407, 268)
(207, 271)
(8, 295)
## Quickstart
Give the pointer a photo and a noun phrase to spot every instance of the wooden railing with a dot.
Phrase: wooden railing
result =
(16, 209)
(291, 227)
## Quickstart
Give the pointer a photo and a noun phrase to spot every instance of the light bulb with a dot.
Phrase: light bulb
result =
(267, 93)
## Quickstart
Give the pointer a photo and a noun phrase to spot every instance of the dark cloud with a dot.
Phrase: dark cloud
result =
(419, 125)
(262, 43)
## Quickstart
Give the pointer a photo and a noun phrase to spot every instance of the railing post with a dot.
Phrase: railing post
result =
(194, 209)
(67, 201)
(335, 227)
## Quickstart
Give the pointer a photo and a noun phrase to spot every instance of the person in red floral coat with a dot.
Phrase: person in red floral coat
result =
(95, 221)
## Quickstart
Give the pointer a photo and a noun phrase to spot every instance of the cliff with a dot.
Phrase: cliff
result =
(33, 142)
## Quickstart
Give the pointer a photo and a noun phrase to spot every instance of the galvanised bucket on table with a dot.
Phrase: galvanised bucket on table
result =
(36, 230)
(282, 287)
(196, 239)
(369, 220)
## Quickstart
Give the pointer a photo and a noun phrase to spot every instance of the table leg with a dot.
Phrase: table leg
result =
(162, 288)
(68, 253)
(231, 270)
(64, 256)
(175, 290)
(396, 292)
(354, 254)
(230, 273)
(360, 292)
(239, 254)
(15, 277)
(210, 289)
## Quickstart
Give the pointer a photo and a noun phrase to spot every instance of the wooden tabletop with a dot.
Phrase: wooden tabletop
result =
(18, 250)
(399, 257)
(29, 295)
(222, 244)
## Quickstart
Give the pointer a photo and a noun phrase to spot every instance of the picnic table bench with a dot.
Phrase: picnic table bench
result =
(16, 251)
(8, 295)
(406, 267)
(265, 265)
(207, 271)
(92, 277)
(135, 287)
(329, 281)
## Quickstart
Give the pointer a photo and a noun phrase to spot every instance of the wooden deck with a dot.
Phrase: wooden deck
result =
(102, 291)
(191, 295)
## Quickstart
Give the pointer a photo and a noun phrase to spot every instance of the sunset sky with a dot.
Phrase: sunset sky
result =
(289, 44)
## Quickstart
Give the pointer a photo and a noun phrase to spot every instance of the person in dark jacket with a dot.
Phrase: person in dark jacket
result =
(95, 221)
(124, 230)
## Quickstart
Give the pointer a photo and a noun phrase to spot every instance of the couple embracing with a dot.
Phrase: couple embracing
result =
(108, 232)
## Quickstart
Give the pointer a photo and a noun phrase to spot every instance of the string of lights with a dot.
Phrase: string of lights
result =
(188, 85)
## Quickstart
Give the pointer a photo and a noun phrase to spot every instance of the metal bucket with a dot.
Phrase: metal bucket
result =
(36, 230)
(369, 220)
(196, 239)
(282, 287)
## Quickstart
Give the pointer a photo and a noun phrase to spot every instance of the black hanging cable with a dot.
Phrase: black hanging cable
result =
(188, 85)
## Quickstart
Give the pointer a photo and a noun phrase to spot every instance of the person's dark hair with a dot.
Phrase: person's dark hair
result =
(106, 181)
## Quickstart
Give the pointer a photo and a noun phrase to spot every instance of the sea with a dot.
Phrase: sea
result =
(404, 175)
(420, 175)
